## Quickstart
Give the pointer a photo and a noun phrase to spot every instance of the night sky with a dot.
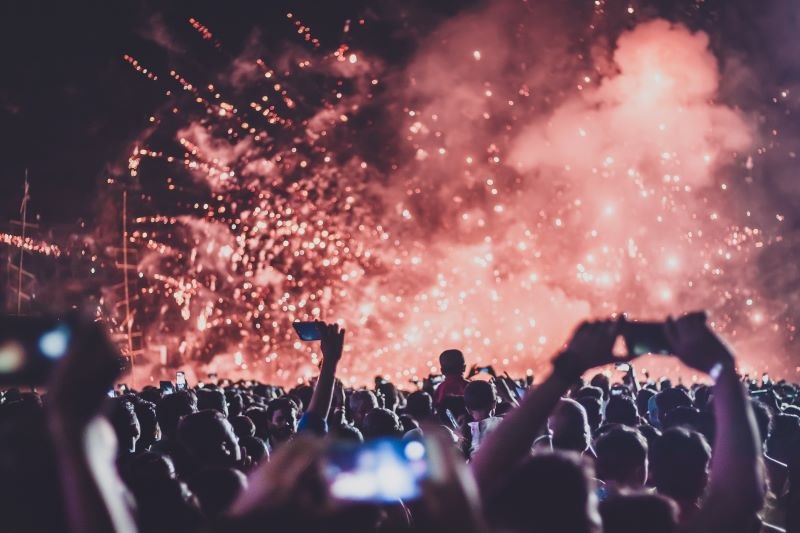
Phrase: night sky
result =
(70, 106)
(71, 110)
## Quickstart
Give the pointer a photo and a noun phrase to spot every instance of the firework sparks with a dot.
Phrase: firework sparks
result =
(525, 193)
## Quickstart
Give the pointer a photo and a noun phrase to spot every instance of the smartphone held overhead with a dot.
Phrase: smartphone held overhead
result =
(642, 338)
(308, 331)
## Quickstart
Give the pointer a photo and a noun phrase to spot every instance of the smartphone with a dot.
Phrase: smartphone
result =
(646, 338)
(180, 380)
(308, 331)
(111, 393)
(377, 471)
(623, 367)
(166, 387)
(30, 347)
(485, 369)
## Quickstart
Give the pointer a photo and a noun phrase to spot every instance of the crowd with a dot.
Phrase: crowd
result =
(503, 455)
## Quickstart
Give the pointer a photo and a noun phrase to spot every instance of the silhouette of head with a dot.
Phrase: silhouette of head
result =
(622, 457)
(679, 461)
(452, 363)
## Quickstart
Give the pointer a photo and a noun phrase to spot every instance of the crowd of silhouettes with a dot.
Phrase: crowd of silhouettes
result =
(617, 453)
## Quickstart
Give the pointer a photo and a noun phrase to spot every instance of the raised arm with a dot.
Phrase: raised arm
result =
(94, 496)
(589, 347)
(332, 343)
(736, 488)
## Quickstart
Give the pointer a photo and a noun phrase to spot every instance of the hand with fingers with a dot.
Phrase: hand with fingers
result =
(590, 346)
(331, 342)
(695, 344)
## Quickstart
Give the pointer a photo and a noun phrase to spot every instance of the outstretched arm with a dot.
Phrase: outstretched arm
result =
(590, 346)
(332, 343)
(94, 496)
(736, 488)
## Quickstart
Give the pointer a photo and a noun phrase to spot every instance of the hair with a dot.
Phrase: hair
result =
(148, 422)
(479, 395)
(783, 434)
(280, 404)
(682, 417)
(256, 449)
(642, 400)
(637, 512)
(172, 407)
(570, 426)
(602, 382)
(589, 391)
(679, 462)
(621, 410)
(594, 411)
(621, 451)
(381, 422)
(452, 362)
(201, 435)
(390, 395)
(546, 493)
(243, 426)
(217, 488)
(669, 399)
(419, 405)
(212, 399)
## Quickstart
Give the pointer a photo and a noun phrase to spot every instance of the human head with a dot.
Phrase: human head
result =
(123, 419)
(209, 440)
(642, 399)
(763, 419)
(638, 512)
(243, 426)
(217, 488)
(148, 424)
(419, 405)
(171, 408)
(679, 461)
(255, 448)
(390, 395)
(602, 382)
(669, 399)
(622, 457)
(594, 411)
(783, 435)
(480, 399)
(547, 493)
(381, 422)
(570, 426)
(361, 403)
(281, 420)
(621, 410)
(452, 363)
(212, 399)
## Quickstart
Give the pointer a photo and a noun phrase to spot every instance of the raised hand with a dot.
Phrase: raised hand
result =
(695, 344)
(331, 342)
(590, 346)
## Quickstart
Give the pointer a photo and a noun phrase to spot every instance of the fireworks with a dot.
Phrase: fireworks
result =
(495, 193)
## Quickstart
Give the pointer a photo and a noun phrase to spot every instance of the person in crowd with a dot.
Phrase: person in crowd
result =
(453, 367)
(361, 403)
(622, 458)
(192, 478)
(569, 427)
(282, 418)
(480, 398)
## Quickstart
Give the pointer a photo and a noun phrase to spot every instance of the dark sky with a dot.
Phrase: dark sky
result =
(70, 105)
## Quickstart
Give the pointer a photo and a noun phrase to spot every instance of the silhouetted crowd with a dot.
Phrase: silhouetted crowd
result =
(614, 453)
